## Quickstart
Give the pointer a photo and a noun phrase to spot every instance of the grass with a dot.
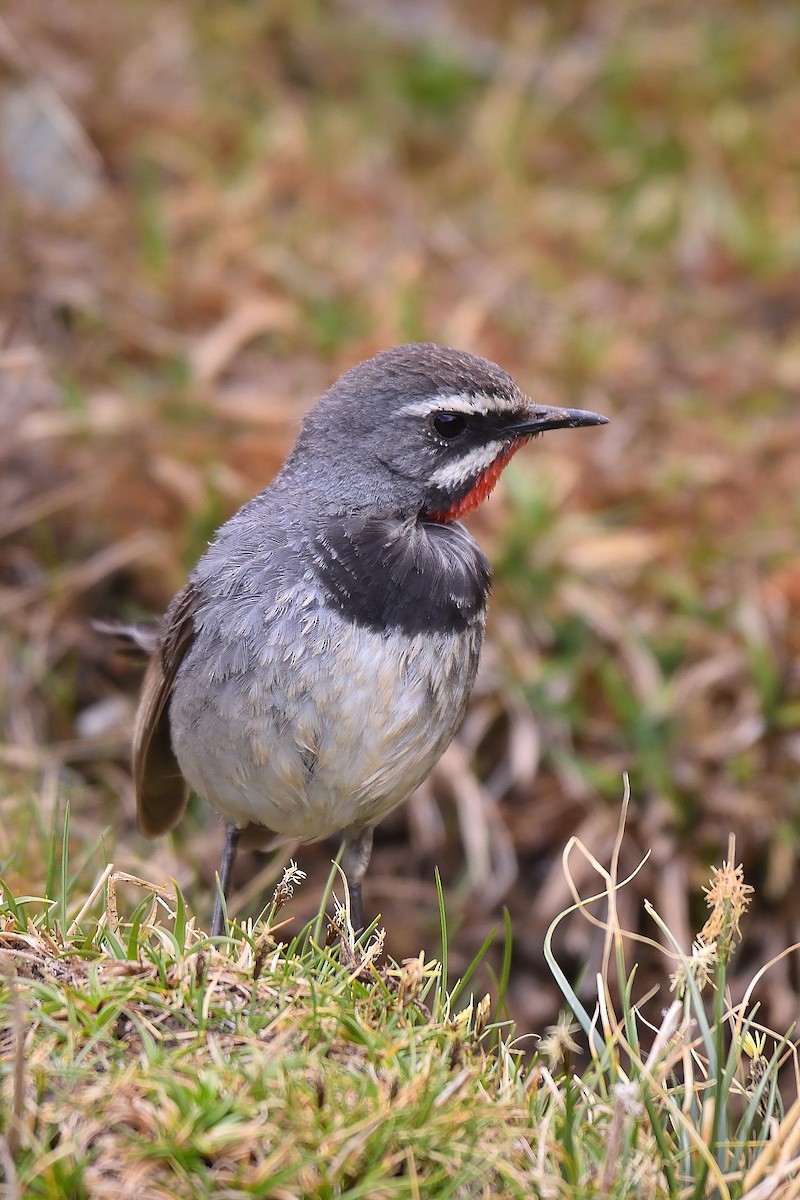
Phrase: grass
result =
(140, 1057)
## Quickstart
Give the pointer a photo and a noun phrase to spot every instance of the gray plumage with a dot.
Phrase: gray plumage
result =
(320, 657)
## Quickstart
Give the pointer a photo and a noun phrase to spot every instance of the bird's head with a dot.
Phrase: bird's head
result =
(422, 430)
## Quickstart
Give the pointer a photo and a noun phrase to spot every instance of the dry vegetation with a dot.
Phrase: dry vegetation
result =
(231, 203)
(139, 1059)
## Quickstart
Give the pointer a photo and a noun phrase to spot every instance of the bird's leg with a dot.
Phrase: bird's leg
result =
(355, 860)
(232, 835)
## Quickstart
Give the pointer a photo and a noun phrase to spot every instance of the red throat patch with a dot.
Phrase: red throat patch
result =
(481, 488)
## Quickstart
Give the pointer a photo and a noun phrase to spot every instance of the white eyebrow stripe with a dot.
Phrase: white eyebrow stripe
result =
(467, 466)
(477, 405)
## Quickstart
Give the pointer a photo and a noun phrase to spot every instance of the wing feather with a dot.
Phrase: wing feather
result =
(161, 791)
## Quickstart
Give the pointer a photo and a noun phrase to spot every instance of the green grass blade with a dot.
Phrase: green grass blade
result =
(442, 1004)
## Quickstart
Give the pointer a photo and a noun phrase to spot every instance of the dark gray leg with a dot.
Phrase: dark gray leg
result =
(232, 835)
(355, 860)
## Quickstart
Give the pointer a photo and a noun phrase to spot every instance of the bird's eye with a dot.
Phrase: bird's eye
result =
(449, 425)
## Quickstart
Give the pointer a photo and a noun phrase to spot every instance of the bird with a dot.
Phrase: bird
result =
(319, 659)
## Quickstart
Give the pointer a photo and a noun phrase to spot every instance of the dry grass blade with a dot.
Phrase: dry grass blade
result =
(252, 316)
(16, 1129)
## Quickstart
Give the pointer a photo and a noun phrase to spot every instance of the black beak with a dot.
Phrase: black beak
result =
(542, 417)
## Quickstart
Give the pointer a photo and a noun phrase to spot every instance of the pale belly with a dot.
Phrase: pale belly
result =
(324, 735)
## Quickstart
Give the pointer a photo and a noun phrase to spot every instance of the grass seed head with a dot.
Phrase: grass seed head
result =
(558, 1045)
(728, 897)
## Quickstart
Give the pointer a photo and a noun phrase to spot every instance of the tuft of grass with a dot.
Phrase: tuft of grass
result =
(706, 1078)
(250, 1063)
(141, 1057)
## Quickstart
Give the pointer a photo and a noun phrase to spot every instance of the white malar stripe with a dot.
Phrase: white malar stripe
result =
(466, 466)
(479, 405)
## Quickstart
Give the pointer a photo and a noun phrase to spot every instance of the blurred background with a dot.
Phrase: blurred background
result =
(209, 211)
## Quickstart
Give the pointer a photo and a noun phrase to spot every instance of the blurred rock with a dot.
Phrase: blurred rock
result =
(44, 149)
(104, 718)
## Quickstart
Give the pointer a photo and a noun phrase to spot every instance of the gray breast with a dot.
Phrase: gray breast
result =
(290, 713)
